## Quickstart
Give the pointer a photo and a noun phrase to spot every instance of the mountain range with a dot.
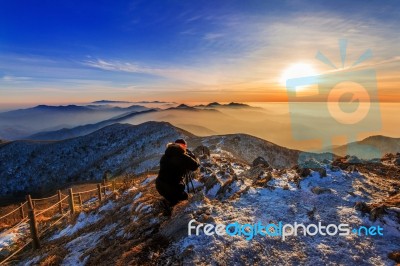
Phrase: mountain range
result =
(39, 166)
(19, 124)
(370, 147)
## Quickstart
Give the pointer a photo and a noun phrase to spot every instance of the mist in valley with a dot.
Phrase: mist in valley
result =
(294, 125)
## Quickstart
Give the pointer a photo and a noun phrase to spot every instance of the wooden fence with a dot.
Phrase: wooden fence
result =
(62, 206)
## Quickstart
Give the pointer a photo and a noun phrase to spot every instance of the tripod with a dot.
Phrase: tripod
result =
(188, 177)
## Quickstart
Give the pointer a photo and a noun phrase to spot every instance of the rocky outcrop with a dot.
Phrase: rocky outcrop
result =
(260, 161)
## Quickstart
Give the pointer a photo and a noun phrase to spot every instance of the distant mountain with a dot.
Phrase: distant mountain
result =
(233, 104)
(117, 109)
(67, 133)
(229, 105)
(371, 147)
(200, 130)
(23, 122)
(154, 102)
(109, 101)
(182, 107)
(40, 109)
(213, 104)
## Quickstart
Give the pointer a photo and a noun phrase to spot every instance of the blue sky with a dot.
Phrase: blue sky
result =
(78, 51)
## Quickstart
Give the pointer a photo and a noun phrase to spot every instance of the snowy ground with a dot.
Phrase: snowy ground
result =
(289, 206)
(228, 194)
(9, 239)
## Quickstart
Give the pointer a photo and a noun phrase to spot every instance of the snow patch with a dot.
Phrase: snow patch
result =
(148, 180)
(83, 244)
(83, 221)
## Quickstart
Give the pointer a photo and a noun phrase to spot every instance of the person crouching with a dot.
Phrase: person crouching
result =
(173, 166)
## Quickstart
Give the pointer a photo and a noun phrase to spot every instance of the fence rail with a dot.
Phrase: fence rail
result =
(16, 209)
(35, 215)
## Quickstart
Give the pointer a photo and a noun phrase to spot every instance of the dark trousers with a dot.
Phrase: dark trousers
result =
(171, 192)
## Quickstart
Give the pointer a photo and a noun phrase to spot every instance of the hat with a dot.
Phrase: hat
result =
(181, 141)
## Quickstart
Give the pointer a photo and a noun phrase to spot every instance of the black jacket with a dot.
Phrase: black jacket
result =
(174, 164)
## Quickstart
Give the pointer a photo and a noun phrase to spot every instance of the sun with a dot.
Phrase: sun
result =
(296, 71)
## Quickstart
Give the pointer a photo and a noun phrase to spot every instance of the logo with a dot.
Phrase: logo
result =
(348, 103)
(281, 230)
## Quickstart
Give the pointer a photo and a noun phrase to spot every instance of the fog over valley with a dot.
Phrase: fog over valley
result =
(296, 125)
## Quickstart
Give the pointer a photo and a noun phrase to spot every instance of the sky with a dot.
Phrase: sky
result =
(189, 51)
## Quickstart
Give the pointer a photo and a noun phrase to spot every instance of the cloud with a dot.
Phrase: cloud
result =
(14, 79)
(183, 74)
(212, 36)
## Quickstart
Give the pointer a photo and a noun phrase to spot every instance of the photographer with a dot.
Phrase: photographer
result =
(174, 165)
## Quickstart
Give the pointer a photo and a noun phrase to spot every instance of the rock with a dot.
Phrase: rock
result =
(397, 161)
(188, 252)
(260, 161)
(296, 180)
(286, 187)
(206, 218)
(256, 171)
(263, 181)
(335, 168)
(311, 213)
(352, 194)
(198, 197)
(225, 188)
(377, 212)
(221, 173)
(211, 181)
(395, 255)
(322, 172)
(231, 171)
(213, 185)
(362, 206)
(261, 174)
(304, 172)
(177, 227)
(352, 168)
(311, 163)
(202, 151)
(353, 159)
(207, 164)
(319, 190)
(326, 161)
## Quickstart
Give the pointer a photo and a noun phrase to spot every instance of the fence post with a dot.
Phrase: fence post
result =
(80, 199)
(60, 209)
(71, 201)
(99, 192)
(104, 188)
(21, 211)
(32, 223)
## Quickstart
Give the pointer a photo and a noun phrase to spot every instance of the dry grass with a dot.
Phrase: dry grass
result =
(141, 243)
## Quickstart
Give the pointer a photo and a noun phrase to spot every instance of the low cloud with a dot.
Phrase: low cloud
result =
(178, 74)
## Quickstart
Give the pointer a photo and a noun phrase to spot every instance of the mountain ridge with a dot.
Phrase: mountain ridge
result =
(369, 148)
(114, 148)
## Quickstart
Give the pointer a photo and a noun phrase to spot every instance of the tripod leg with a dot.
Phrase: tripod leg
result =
(191, 181)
